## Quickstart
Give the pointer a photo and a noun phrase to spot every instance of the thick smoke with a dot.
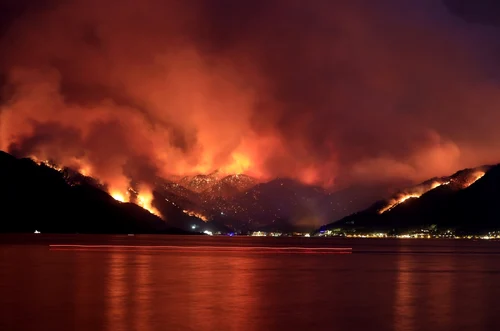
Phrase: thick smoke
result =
(328, 92)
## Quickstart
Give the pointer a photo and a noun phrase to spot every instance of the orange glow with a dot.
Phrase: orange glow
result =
(195, 214)
(46, 163)
(416, 192)
(145, 200)
(240, 164)
(394, 202)
(81, 166)
(144, 97)
(86, 171)
(172, 248)
(119, 196)
(474, 178)
(144, 196)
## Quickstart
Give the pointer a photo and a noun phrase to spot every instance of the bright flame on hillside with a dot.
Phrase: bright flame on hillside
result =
(416, 193)
(195, 214)
(475, 177)
(394, 202)
(144, 196)
(145, 200)
(119, 196)
(46, 163)
(241, 163)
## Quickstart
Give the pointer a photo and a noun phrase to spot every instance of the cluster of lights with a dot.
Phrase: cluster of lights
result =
(424, 234)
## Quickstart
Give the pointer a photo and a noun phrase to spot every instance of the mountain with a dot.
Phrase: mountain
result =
(38, 197)
(230, 186)
(200, 183)
(285, 205)
(466, 201)
(218, 202)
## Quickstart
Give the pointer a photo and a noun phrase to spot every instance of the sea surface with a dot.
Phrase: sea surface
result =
(199, 283)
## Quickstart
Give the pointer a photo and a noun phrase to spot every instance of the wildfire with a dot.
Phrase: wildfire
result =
(145, 200)
(46, 163)
(195, 214)
(474, 178)
(86, 171)
(241, 163)
(119, 196)
(82, 166)
(394, 202)
(417, 193)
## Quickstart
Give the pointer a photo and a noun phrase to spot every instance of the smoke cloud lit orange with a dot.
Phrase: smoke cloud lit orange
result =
(328, 93)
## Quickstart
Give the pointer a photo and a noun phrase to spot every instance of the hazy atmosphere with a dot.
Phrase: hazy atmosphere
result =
(327, 92)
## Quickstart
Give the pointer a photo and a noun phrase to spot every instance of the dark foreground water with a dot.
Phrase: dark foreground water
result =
(213, 283)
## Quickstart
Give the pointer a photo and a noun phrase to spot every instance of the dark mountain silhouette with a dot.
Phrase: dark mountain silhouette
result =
(467, 201)
(234, 203)
(287, 205)
(37, 197)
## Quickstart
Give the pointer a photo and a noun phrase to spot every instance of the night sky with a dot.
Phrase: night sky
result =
(327, 92)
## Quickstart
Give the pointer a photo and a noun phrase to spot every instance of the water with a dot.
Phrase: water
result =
(382, 285)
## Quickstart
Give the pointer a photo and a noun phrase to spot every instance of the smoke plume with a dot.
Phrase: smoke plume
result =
(327, 92)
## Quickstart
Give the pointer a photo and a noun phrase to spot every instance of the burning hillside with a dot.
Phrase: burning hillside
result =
(464, 200)
(135, 90)
(142, 197)
(412, 193)
(43, 197)
(461, 180)
(237, 201)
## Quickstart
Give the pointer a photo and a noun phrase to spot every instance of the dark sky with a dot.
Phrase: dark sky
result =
(331, 92)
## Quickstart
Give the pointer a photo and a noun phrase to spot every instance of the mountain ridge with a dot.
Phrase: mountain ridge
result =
(38, 197)
(465, 201)
(233, 203)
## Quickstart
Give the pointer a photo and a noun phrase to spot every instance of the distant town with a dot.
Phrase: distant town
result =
(343, 233)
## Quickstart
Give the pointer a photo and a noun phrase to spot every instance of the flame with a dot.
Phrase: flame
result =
(415, 193)
(196, 214)
(241, 164)
(144, 196)
(394, 202)
(118, 196)
(474, 178)
(46, 163)
(82, 166)
(145, 200)
(86, 171)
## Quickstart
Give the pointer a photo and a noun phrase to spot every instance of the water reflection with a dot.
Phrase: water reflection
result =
(154, 290)
(117, 292)
(207, 292)
(440, 283)
(239, 295)
(405, 294)
(442, 292)
(218, 292)
(142, 293)
(82, 287)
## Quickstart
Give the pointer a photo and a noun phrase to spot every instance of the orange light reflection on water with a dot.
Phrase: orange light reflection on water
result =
(117, 295)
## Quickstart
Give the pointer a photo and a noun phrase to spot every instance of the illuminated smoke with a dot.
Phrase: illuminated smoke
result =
(145, 200)
(119, 196)
(325, 92)
(474, 178)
